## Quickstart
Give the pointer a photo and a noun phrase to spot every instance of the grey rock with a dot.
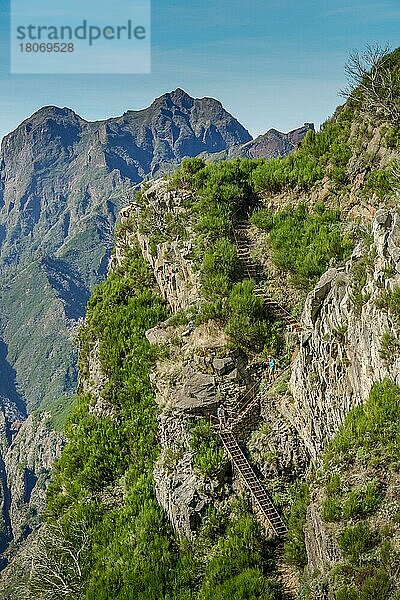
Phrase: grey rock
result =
(197, 390)
(223, 365)
(321, 547)
(340, 352)
(26, 460)
(180, 495)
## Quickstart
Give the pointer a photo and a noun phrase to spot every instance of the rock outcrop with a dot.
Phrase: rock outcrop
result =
(199, 368)
(29, 448)
(342, 350)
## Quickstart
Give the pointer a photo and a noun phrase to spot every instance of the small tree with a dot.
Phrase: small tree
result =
(374, 83)
(58, 563)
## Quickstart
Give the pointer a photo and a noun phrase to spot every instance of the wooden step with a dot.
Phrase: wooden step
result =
(252, 482)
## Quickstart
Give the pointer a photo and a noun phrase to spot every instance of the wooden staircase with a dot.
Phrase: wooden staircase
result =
(251, 481)
(248, 402)
(255, 272)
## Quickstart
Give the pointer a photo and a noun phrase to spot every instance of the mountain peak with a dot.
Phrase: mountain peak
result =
(179, 93)
(177, 97)
(48, 112)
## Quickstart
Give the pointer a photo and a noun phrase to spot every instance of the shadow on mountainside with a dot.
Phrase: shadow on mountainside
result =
(8, 386)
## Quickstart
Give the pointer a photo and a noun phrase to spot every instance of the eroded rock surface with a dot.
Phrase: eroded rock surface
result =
(341, 349)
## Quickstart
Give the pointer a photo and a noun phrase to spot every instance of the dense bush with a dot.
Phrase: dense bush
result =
(379, 182)
(370, 431)
(246, 323)
(295, 550)
(360, 501)
(303, 242)
(209, 457)
(235, 570)
(222, 195)
(218, 269)
(390, 300)
(356, 541)
(365, 527)
(359, 273)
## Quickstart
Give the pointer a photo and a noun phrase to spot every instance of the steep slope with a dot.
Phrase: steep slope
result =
(231, 284)
(144, 498)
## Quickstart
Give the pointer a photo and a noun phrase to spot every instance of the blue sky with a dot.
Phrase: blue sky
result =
(272, 63)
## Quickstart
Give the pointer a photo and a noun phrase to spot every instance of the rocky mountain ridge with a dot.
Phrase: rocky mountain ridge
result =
(271, 144)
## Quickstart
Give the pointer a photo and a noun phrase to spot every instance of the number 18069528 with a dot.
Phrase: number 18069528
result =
(46, 47)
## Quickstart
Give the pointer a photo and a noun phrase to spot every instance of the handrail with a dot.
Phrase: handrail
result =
(271, 511)
(280, 306)
(242, 406)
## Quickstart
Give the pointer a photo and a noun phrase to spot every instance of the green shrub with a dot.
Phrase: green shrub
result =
(295, 550)
(371, 430)
(303, 243)
(319, 153)
(215, 310)
(263, 219)
(359, 273)
(235, 569)
(347, 593)
(218, 269)
(332, 509)
(334, 484)
(376, 587)
(249, 584)
(392, 137)
(390, 347)
(246, 324)
(356, 541)
(209, 457)
(362, 501)
(390, 300)
(379, 182)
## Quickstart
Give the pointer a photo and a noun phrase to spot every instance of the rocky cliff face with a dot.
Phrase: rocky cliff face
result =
(342, 350)
(198, 370)
(349, 343)
(29, 448)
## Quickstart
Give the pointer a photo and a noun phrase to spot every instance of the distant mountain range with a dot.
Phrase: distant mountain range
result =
(62, 182)
(268, 145)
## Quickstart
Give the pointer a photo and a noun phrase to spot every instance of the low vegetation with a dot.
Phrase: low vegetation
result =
(367, 444)
(302, 242)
